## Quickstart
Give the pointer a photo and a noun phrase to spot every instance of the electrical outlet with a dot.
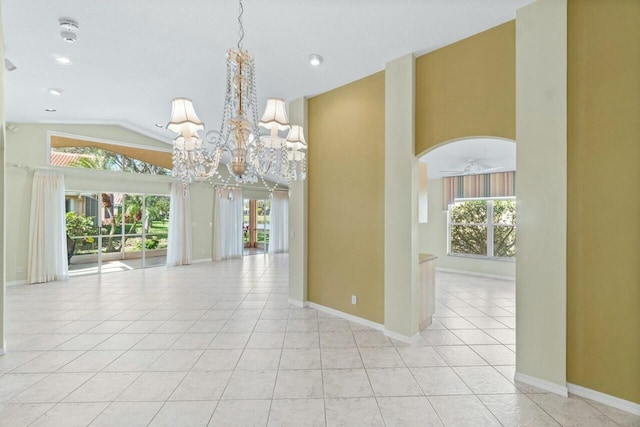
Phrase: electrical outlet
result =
(19, 269)
(353, 299)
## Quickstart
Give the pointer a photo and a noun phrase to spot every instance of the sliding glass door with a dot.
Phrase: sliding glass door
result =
(255, 226)
(116, 231)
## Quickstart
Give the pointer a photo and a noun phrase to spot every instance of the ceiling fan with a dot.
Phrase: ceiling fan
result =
(472, 168)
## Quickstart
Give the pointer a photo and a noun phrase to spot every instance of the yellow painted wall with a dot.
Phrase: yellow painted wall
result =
(603, 272)
(467, 89)
(346, 198)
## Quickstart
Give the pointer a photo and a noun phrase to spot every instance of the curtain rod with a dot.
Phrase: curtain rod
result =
(248, 187)
(94, 172)
(84, 171)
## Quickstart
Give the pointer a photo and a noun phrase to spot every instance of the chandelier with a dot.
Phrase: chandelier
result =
(252, 149)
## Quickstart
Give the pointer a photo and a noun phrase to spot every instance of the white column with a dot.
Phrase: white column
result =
(401, 305)
(298, 217)
(541, 152)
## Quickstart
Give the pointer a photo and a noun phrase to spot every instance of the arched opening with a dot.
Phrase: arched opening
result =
(470, 227)
(468, 215)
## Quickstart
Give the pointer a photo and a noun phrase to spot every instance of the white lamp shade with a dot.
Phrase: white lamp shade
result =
(295, 139)
(184, 116)
(275, 115)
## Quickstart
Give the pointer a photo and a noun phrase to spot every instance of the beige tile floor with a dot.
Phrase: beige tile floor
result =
(218, 344)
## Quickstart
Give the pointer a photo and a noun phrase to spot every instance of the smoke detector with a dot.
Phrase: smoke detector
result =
(68, 24)
(69, 28)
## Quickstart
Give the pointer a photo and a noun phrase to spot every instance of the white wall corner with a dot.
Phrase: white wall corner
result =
(401, 306)
(607, 399)
(541, 194)
(298, 213)
(542, 384)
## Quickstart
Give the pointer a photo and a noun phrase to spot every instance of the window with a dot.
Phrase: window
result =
(91, 153)
(97, 158)
(483, 228)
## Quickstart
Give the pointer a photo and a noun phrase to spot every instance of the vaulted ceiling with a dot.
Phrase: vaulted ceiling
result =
(132, 57)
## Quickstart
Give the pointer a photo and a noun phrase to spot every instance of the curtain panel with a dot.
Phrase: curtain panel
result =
(179, 248)
(485, 185)
(47, 259)
(227, 228)
(279, 223)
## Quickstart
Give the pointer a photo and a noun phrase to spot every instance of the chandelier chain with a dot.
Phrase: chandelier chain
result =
(240, 26)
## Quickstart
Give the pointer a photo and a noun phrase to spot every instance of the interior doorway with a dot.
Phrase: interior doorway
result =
(109, 232)
(255, 226)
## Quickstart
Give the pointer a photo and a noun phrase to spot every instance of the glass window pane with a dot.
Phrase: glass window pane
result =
(470, 212)
(245, 222)
(504, 212)
(156, 226)
(504, 241)
(98, 158)
(469, 239)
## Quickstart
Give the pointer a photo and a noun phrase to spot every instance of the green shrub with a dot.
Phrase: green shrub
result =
(79, 225)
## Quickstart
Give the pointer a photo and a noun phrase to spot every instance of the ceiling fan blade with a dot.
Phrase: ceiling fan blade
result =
(491, 169)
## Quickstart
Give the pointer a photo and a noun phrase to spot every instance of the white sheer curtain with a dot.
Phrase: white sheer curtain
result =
(227, 228)
(279, 223)
(47, 229)
(179, 248)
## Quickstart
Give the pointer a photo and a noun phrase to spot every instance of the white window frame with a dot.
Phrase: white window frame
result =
(489, 224)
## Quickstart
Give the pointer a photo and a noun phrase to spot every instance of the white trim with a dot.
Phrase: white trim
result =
(402, 338)
(606, 399)
(473, 273)
(16, 282)
(107, 174)
(201, 260)
(3, 350)
(51, 133)
(542, 384)
(346, 316)
(297, 303)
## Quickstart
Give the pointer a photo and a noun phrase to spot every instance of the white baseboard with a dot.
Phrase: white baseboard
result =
(542, 384)
(297, 303)
(473, 273)
(606, 399)
(16, 282)
(3, 348)
(346, 316)
(201, 260)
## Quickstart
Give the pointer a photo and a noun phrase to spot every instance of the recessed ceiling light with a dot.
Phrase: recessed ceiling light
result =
(158, 125)
(54, 91)
(63, 60)
(50, 110)
(315, 59)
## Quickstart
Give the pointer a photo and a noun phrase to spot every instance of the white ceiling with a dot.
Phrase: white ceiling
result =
(497, 155)
(133, 56)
